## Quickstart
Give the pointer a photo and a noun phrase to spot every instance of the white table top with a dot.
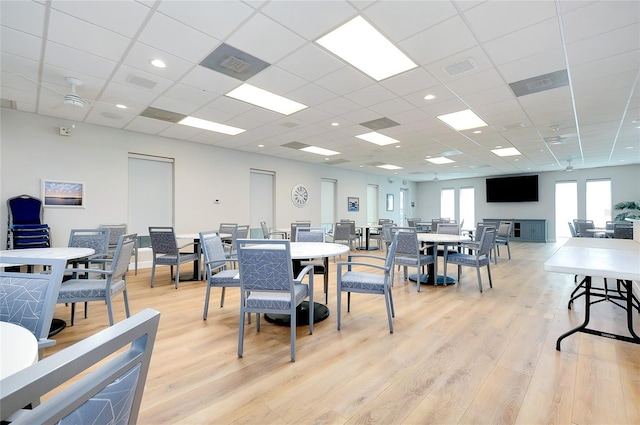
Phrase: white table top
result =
(60, 253)
(195, 236)
(300, 250)
(442, 238)
(18, 349)
(619, 258)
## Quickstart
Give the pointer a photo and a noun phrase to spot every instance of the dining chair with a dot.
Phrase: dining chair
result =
(478, 258)
(268, 285)
(107, 283)
(166, 252)
(409, 253)
(98, 380)
(503, 235)
(228, 228)
(294, 229)
(29, 299)
(583, 227)
(370, 278)
(96, 239)
(216, 273)
(320, 265)
(342, 233)
(25, 227)
(115, 231)
(268, 234)
(572, 230)
(623, 231)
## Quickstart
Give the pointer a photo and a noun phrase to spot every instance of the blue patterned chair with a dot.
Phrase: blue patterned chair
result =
(25, 228)
(320, 265)
(110, 282)
(409, 254)
(368, 282)
(115, 231)
(88, 388)
(29, 299)
(268, 285)
(166, 252)
(215, 264)
(478, 258)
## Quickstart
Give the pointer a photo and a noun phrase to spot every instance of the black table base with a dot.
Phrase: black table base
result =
(56, 326)
(424, 280)
(320, 313)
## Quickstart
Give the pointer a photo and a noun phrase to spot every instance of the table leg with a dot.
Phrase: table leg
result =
(587, 311)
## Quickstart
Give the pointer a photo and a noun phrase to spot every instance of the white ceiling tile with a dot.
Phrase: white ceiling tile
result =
(85, 63)
(310, 62)
(613, 43)
(174, 105)
(20, 43)
(344, 81)
(210, 81)
(277, 80)
(147, 125)
(401, 19)
(25, 16)
(475, 82)
(141, 55)
(598, 18)
(370, 95)
(539, 64)
(409, 82)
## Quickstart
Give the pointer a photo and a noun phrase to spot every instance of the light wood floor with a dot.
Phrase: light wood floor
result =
(456, 357)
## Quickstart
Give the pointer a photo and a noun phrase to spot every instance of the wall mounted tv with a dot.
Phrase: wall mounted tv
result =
(512, 189)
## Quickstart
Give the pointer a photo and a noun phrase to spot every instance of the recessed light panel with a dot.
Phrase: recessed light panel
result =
(319, 151)
(463, 120)
(506, 152)
(440, 160)
(265, 99)
(377, 138)
(211, 126)
(360, 44)
(390, 167)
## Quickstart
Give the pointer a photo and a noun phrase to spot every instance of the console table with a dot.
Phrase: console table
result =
(524, 230)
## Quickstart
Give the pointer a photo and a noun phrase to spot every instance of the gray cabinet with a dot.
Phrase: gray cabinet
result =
(525, 230)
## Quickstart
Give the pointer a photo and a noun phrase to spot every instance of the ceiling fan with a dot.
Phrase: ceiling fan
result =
(73, 98)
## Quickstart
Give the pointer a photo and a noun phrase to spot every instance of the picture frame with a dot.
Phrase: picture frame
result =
(353, 204)
(389, 201)
(63, 194)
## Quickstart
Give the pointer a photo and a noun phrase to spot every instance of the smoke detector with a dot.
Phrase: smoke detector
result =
(569, 167)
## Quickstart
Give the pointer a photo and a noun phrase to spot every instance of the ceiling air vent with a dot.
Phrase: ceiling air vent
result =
(561, 139)
(141, 82)
(540, 83)
(379, 124)
(233, 62)
(460, 67)
(162, 115)
(335, 162)
(295, 145)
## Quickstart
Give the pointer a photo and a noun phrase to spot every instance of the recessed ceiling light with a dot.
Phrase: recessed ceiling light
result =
(360, 44)
(335, 124)
(265, 99)
(398, 146)
(430, 97)
(211, 126)
(158, 63)
(440, 160)
(506, 151)
(629, 147)
(121, 106)
(390, 167)
(462, 120)
(319, 151)
(377, 138)
(261, 146)
(477, 132)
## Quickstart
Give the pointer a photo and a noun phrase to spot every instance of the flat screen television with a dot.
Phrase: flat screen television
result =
(512, 189)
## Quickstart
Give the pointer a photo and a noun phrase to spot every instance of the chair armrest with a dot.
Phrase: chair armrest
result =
(373, 257)
(83, 270)
(356, 263)
(186, 245)
(307, 270)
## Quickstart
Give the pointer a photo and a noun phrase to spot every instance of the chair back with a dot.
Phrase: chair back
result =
(342, 231)
(111, 391)
(448, 228)
(387, 232)
(487, 241)
(480, 228)
(213, 251)
(310, 234)
(391, 254)
(163, 240)
(243, 231)
(115, 231)
(504, 230)
(265, 265)
(384, 220)
(623, 231)
(411, 222)
(294, 229)
(24, 209)
(230, 228)
(29, 299)
(265, 229)
(582, 229)
(407, 241)
(122, 256)
(98, 239)
(572, 229)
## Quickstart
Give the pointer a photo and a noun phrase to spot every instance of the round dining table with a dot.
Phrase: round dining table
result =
(446, 240)
(18, 348)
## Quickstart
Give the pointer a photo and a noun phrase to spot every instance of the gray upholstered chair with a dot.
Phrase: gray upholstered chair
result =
(409, 253)
(268, 285)
(583, 226)
(215, 262)
(503, 235)
(623, 231)
(376, 279)
(387, 234)
(29, 299)
(106, 285)
(320, 265)
(97, 239)
(99, 380)
(342, 233)
(478, 258)
(166, 252)
(115, 231)
(294, 229)
(268, 234)
(572, 230)
(228, 229)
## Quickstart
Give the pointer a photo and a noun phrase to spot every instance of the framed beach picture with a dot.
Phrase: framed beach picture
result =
(353, 203)
(58, 193)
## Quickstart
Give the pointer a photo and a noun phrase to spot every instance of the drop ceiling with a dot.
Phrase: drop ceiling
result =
(470, 55)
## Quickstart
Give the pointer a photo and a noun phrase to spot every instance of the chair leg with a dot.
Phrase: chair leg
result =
(153, 273)
(509, 250)
(109, 310)
(206, 302)
(126, 303)
(489, 274)
(86, 309)
(241, 333)
(479, 278)
(339, 296)
(390, 312)
(293, 322)
(73, 313)
(222, 299)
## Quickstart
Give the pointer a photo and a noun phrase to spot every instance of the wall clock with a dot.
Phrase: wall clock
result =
(299, 195)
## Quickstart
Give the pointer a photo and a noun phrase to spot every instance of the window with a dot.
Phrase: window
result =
(566, 207)
(599, 201)
(447, 203)
(467, 207)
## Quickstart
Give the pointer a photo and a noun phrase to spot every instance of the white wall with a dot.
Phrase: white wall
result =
(32, 149)
(625, 186)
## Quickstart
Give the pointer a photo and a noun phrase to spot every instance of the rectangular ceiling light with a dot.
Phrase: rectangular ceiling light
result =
(462, 120)
(440, 160)
(377, 138)
(211, 126)
(390, 167)
(264, 99)
(360, 44)
(319, 151)
(506, 152)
